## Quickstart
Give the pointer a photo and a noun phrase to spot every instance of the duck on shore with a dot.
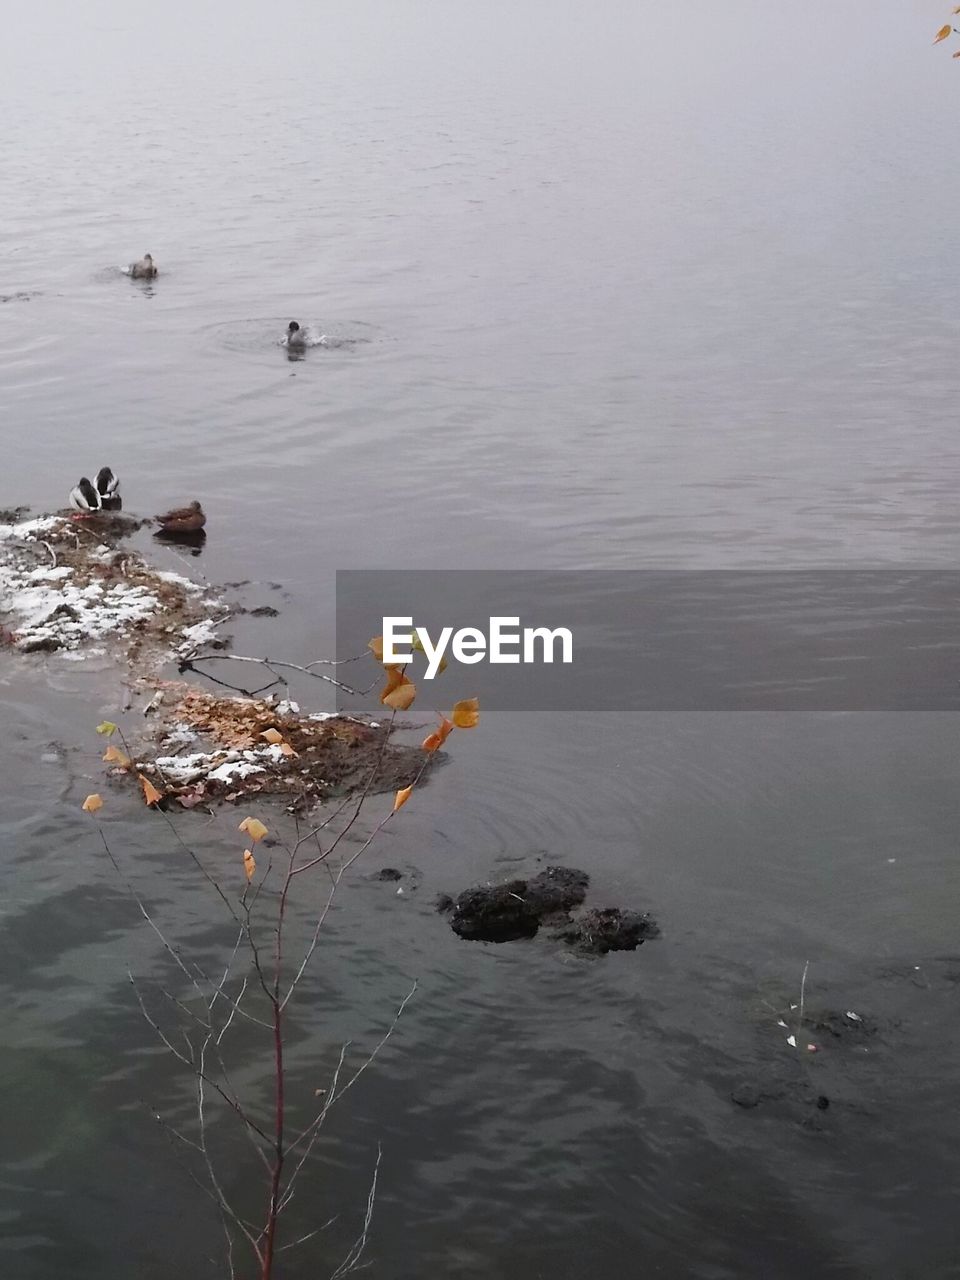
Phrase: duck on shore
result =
(144, 269)
(189, 519)
(85, 497)
(108, 487)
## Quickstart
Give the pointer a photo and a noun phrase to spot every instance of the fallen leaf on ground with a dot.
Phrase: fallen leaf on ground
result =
(113, 755)
(92, 804)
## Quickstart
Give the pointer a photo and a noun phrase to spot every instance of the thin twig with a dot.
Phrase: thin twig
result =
(353, 1257)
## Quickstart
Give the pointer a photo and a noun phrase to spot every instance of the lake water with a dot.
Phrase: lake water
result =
(636, 288)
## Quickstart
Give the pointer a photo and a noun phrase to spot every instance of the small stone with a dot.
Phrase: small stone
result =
(746, 1094)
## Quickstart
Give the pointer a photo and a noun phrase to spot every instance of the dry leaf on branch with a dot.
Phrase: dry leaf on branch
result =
(254, 828)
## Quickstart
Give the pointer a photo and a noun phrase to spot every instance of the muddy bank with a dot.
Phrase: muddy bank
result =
(69, 586)
(198, 748)
(520, 908)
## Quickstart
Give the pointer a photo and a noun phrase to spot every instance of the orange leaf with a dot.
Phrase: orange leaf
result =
(401, 698)
(249, 864)
(254, 828)
(399, 691)
(466, 714)
(439, 737)
(150, 793)
(113, 755)
(376, 647)
(286, 749)
(92, 804)
(272, 735)
(401, 798)
(943, 33)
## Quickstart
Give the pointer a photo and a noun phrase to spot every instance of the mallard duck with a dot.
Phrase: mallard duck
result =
(85, 497)
(295, 335)
(144, 269)
(182, 519)
(108, 487)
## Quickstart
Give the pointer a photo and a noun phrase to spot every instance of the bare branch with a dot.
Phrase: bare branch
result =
(353, 1257)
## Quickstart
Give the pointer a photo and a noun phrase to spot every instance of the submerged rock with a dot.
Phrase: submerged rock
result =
(495, 913)
(603, 929)
(518, 908)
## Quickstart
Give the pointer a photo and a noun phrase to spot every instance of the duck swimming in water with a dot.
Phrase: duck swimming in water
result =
(144, 269)
(108, 487)
(295, 335)
(182, 519)
(85, 497)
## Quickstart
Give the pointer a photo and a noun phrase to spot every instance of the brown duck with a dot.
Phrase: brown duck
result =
(183, 519)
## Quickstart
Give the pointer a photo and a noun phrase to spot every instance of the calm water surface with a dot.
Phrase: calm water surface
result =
(637, 288)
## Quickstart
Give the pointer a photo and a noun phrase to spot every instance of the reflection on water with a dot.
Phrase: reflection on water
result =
(593, 295)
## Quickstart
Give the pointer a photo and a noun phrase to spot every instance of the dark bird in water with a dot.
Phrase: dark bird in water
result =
(144, 269)
(85, 497)
(182, 519)
(108, 487)
(295, 335)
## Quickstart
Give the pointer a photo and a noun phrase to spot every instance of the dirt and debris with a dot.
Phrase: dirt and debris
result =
(518, 909)
(199, 748)
(603, 929)
(67, 585)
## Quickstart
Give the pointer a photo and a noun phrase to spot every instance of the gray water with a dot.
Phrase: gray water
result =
(646, 287)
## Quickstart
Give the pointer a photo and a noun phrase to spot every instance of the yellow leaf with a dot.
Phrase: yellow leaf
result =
(376, 647)
(92, 804)
(272, 735)
(286, 749)
(439, 737)
(113, 755)
(943, 33)
(399, 691)
(466, 714)
(249, 864)
(107, 728)
(401, 798)
(150, 793)
(401, 698)
(254, 829)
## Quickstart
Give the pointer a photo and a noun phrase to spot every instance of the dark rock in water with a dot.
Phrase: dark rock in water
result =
(823, 1102)
(444, 903)
(495, 913)
(504, 912)
(389, 873)
(556, 889)
(264, 611)
(603, 929)
(517, 909)
(746, 1094)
